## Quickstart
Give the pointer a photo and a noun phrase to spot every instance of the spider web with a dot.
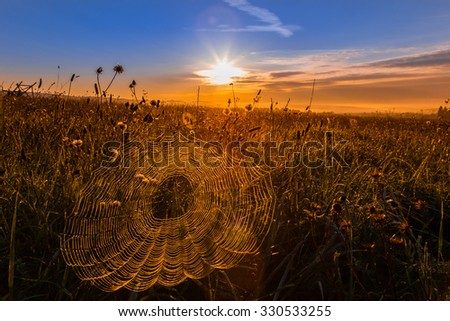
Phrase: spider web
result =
(134, 226)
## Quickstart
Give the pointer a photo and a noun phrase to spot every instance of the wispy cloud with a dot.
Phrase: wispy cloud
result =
(401, 75)
(437, 58)
(271, 22)
(285, 74)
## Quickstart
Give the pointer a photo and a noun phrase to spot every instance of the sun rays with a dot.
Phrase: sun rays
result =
(221, 73)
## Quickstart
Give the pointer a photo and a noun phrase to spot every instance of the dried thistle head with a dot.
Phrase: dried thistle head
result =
(337, 208)
(118, 69)
(99, 70)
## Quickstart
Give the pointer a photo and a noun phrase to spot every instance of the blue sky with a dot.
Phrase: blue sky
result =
(364, 54)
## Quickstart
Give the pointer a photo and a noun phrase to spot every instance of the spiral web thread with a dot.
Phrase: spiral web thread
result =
(136, 226)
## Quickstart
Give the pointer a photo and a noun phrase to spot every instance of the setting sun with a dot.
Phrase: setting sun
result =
(223, 72)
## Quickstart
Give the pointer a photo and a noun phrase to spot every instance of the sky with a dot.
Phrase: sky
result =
(364, 56)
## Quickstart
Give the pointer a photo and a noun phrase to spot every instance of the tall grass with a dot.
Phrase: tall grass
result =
(377, 229)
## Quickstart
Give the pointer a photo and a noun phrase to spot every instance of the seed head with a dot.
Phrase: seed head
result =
(394, 239)
(119, 69)
(99, 70)
(376, 174)
(77, 143)
(122, 125)
(337, 208)
(116, 203)
(249, 107)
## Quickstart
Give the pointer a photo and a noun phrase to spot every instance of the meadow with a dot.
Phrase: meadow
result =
(372, 223)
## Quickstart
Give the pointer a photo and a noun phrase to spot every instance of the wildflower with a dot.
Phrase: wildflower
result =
(122, 125)
(311, 215)
(420, 205)
(77, 143)
(249, 107)
(187, 119)
(394, 239)
(99, 70)
(148, 118)
(378, 218)
(393, 203)
(134, 107)
(403, 226)
(376, 174)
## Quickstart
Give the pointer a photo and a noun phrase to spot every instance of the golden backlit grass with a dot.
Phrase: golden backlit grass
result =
(377, 229)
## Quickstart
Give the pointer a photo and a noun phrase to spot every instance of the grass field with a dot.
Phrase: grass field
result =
(375, 227)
